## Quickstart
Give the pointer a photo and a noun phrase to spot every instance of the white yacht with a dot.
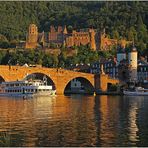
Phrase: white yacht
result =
(26, 88)
(138, 91)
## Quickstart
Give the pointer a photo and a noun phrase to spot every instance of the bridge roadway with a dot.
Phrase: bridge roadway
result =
(59, 77)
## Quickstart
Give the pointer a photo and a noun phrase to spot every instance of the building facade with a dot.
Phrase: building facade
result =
(109, 67)
(60, 36)
(106, 43)
(142, 72)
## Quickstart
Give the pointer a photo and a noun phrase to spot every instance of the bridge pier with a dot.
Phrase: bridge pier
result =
(59, 91)
(101, 81)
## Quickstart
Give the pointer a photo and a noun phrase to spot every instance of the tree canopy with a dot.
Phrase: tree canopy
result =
(122, 19)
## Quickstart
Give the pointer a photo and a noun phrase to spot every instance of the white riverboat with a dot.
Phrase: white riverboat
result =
(138, 91)
(26, 88)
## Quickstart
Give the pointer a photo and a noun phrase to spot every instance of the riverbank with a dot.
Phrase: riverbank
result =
(108, 93)
(96, 93)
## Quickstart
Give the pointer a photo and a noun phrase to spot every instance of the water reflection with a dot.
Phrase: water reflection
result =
(133, 129)
(107, 116)
(75, 120)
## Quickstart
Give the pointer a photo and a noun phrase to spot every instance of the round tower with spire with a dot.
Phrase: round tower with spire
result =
(132, 60)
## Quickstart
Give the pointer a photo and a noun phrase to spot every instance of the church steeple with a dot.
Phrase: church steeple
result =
(65, 30)
(134, 48)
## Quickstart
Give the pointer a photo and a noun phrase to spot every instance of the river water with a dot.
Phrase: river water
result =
(75, 120)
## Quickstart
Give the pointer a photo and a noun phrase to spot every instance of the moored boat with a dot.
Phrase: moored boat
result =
(138, 91)
(26, 88)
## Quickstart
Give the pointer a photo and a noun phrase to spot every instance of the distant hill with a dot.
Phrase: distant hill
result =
(121, 19)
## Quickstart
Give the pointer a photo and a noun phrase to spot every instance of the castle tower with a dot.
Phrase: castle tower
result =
(92, 39)
(64, 35)
(121, 55)
(52, 29)
(103, 40)
(52, 35)
(32, 36)
(132, 59)
(60, 29)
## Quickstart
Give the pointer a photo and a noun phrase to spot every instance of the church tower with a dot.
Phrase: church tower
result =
(132, 58)
(32, 36)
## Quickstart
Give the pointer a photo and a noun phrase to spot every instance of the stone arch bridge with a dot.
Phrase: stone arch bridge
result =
(60, 77)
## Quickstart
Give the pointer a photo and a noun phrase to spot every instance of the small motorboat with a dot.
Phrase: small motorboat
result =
(137, 91)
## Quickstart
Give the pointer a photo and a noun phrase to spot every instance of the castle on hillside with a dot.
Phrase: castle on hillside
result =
(60, 36)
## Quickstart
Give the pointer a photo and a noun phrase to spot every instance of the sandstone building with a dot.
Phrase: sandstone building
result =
(60, 36)
(105, 43)
(81, 38)
(32, 37)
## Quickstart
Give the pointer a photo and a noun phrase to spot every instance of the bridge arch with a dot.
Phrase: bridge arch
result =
(2, 79)
(79, 84)
(40, 76)
(60, 77)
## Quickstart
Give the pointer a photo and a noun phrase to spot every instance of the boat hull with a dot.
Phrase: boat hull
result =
(129, 93)
(29, 95)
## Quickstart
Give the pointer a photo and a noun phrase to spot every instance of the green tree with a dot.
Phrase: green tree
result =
(116, 34)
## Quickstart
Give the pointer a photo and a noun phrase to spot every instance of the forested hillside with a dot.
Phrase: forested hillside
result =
(121, 19)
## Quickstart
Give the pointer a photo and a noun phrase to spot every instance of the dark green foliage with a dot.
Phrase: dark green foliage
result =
(4, 44)
(18, 56)
(121, 19)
